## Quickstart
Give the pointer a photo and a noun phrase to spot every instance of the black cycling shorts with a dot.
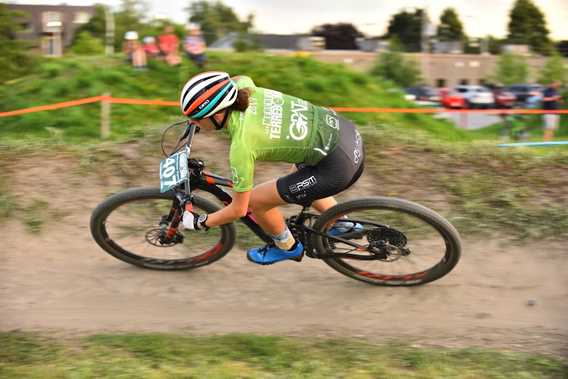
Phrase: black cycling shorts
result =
(333, 174)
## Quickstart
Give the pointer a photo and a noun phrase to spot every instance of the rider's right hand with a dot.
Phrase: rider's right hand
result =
(193, 221)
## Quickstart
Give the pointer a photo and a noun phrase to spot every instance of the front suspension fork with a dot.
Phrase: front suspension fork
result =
(169, 224)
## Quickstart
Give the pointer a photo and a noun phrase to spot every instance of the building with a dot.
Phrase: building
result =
(437, 70)
(517, 49)
(372, 44)
(282, 42)
(51, 27)
(447, 47)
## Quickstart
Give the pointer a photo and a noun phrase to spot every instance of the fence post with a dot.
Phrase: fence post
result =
(105, 115)
(464, 121)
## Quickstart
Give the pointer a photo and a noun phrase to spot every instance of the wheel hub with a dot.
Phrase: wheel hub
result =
(387, 244)
(157, 237)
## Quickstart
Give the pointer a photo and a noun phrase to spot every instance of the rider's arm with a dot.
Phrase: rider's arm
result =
(237, 209)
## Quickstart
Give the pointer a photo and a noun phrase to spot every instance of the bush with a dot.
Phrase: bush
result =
(391, 65)
(86, 44)
(511, 69)
(14, 58)
(553, 70)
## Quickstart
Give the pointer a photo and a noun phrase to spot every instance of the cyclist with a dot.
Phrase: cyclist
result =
(267, 125)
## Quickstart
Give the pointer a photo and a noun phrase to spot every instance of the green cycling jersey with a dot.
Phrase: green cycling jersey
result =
(277, 127)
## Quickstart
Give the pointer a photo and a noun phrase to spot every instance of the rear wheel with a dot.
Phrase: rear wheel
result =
(402, 243)
(127, 226)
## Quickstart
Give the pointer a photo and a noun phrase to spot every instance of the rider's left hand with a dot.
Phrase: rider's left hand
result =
(193, 221)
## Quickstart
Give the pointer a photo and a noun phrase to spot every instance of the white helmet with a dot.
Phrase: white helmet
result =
(131, 35)
(206, 94)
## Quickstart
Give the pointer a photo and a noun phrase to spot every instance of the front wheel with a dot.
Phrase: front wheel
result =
(394, 242)
(127, 226)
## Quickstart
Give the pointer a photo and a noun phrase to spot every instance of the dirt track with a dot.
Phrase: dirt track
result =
(60, 280)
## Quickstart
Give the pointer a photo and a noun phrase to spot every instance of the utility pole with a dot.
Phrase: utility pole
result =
(109, 30)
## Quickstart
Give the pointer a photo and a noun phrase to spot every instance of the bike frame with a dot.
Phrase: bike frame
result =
(212, 183)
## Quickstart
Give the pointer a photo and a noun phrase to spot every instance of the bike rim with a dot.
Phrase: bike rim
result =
(133, 227)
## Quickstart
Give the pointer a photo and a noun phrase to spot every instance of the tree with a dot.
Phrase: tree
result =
(130, 17)
(527, 25)
(96, 25)
(511, 69)
(494, 45)
(562, 48)
(96, 28)
(341, 36)
(406, 27)
(554, 70)
(450, 27)
(392, 66)
(14, 59)
(217, 19)
(86, 44)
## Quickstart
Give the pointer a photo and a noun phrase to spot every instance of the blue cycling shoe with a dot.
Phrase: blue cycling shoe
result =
(342, 227)
(271, 254)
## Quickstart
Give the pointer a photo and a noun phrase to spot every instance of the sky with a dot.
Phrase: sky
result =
(480, 17)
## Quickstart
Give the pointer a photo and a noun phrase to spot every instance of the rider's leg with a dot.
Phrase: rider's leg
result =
(324, 204)
(264, 202)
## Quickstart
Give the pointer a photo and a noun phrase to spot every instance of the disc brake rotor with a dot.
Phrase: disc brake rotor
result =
(154, 237)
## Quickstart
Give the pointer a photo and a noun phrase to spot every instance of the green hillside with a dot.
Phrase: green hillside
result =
(78, 77)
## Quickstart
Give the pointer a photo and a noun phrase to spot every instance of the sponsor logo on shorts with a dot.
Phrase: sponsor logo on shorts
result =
(357, 151)
(356, 156)
(303, 185)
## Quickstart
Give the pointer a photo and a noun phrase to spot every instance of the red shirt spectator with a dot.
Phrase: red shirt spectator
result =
(168, 42)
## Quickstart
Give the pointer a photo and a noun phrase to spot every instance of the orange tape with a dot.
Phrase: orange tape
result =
(165, 103)
(65, 104)
(121, 100)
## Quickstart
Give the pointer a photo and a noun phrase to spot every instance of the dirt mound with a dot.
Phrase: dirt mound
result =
(500, 295)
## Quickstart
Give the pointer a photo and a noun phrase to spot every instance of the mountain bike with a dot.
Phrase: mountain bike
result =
(396, 242)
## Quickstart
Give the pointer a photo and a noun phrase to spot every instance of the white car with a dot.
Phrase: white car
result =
(476, 96)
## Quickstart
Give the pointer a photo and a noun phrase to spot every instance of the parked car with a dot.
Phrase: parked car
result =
(503, 98)
(476, 96)
(424, 93)
(451, 99)
(523, 92)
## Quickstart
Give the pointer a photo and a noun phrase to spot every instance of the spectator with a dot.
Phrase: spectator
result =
(150, 47)
(550, 100)
(169, 45)
(194, 45)
(134, 50)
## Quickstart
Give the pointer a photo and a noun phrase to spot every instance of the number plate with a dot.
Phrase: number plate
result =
(173, 171)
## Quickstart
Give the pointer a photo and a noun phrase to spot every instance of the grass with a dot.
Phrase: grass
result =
(521, 127)
(6, 200)
(34, 215)
(77, 77)
(247, 356)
